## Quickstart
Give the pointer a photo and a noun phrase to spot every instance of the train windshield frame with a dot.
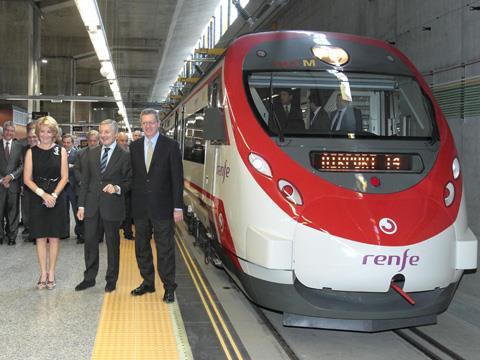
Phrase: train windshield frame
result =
(332, 103)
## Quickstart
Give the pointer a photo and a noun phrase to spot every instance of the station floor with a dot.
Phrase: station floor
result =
(65, 324)
(210, 319)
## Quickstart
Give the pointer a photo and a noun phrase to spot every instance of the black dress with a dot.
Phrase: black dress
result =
(46, 173)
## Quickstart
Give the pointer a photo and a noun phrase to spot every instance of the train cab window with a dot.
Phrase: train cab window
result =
(333, 103)
(194, 143)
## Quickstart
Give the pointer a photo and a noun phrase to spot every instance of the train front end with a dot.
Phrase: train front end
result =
(364, 171)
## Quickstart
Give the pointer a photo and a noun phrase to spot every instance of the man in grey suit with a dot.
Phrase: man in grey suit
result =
(11, 168)
(346, 117)
(106, 177)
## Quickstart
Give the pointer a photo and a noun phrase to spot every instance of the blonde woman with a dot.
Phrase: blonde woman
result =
(46, 173)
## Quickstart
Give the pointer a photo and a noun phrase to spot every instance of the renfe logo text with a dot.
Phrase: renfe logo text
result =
(223, 171)
(388, 260)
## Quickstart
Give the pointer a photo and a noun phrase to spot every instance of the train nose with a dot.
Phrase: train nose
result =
(323, 259)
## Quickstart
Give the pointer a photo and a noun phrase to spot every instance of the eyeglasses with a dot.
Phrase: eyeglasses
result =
(149, 123)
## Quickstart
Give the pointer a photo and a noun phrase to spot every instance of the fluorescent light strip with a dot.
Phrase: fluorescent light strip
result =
(99, 42)
(92, 20)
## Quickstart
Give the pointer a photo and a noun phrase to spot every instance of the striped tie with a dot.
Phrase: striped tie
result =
(103, 161)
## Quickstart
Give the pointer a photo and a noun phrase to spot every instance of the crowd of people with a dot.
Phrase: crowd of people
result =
(109, 185)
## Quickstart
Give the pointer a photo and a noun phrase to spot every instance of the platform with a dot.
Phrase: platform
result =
(211, 318)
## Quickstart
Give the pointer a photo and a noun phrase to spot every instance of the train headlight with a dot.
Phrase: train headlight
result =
(332, 55)
(456, 168)
(260, 164)
(290, 192)
(449, 194)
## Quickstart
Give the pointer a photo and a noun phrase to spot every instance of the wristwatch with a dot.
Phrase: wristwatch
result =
(55, 195)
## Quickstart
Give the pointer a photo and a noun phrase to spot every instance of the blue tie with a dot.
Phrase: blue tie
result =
(103, 161)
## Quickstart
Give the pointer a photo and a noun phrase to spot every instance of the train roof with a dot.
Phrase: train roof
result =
(293, 50)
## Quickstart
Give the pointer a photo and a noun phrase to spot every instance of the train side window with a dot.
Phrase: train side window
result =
(214, 93)
(194, 142)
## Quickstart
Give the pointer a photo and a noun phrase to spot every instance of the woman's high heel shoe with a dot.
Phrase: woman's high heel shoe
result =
(41, 284)
(50, 284)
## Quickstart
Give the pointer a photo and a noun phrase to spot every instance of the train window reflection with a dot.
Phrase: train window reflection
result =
(194, 143)
(336, 103)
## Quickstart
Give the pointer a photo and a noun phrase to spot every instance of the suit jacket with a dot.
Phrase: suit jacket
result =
(77, 167)
(294, 119)
(351, 120)
(91, 196)
(320, 121)
(71, 173)
(157, 193)
(14, 165)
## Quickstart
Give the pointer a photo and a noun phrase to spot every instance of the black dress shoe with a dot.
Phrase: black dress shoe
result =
(110, 287)
(142, 289)
(80, 240)
(169, 296)
(85, 284)
(1, 241)
(11, 242)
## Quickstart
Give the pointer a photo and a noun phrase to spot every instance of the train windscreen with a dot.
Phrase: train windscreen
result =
(333, 103)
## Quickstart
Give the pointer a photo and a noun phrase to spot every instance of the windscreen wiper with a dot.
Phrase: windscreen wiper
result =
(272, 115)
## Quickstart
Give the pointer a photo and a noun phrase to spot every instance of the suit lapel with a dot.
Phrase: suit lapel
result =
(2, 152)
(142, 154)
(96, 154)
(113, 159)
(157, 151)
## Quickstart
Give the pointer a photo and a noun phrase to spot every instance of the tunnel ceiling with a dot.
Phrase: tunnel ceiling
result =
(148, 39)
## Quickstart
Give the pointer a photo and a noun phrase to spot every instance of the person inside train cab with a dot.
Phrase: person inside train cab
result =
(346, 117)
(319, 119)
(289, 114)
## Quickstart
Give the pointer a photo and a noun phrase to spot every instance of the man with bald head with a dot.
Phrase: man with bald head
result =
(137, 134)
(122, 140)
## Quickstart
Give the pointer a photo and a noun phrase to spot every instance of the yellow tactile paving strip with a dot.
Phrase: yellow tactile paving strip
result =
(131, 327)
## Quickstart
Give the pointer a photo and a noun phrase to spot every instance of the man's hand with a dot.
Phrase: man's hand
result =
(80, 213)
(6, 181)
(110, 189)
(177, 215)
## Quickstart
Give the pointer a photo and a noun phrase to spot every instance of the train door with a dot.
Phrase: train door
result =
(209, 176)
(211, 149)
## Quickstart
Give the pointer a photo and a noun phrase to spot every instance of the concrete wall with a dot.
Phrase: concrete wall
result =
(16, 21)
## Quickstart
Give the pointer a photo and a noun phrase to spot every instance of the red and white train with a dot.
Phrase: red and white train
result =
(327, 181)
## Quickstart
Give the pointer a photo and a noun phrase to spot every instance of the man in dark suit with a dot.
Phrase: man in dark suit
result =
(346, 118)
(92, 141)
(71, 189)
(157, 203)
(289, 115)
(122, 140)
(11, 168)
(106, 177)
(25, 194)
(319, 119)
